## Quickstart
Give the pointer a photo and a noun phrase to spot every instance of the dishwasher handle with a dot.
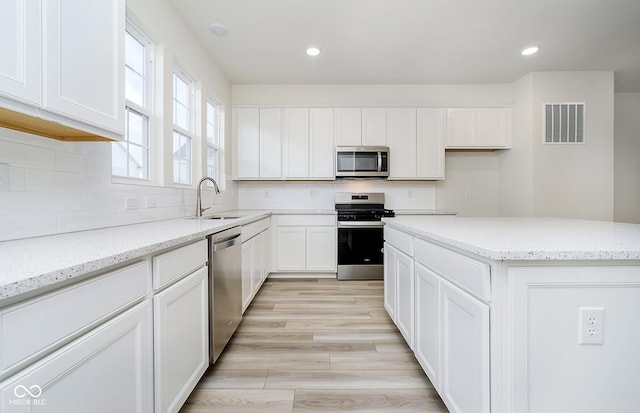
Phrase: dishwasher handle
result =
(226, 244)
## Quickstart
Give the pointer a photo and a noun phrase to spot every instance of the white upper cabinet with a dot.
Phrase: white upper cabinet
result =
(83, 55)
(62, 71)
(402, 143)
(488, 128)
(430, 143)
(308, 148)
(270, 143)
(258, 140)
(296, 143)
(348, 124)
(321, 154)
(374, 127)
(247, 131)
(416, 143)
(20, 42)
(361, 126)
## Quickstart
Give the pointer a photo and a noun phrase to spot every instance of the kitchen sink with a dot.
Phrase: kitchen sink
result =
(222, 217)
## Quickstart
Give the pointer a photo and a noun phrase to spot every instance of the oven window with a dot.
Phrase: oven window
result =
(357, 161)
(360, 246)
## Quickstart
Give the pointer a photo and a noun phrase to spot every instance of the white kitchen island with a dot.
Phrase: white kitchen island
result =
(519, 314)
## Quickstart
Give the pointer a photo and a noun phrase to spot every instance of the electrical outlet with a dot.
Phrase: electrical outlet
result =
(152, 202)
(131, 203)
(4, 177)
(590, 325)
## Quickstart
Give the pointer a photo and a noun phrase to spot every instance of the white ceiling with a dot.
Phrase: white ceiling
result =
(417, 41)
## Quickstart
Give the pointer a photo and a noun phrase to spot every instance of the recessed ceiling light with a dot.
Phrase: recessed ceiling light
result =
(313, 51)
(218, 28)
(530, 50)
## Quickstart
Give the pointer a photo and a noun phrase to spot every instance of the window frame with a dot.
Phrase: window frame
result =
(145, 111)
(188, 132)
(218, 143)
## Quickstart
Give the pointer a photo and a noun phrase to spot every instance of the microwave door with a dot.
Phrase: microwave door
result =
(358, 162)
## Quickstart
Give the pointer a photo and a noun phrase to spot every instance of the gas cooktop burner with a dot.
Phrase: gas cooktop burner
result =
(361, 207)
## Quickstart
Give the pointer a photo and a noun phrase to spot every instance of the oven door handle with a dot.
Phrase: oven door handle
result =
(360, 224)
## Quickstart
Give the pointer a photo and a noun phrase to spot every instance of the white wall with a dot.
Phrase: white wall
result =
(627, 158)
(58, 187)
(574, 181)
(515, 176)
(471, 184)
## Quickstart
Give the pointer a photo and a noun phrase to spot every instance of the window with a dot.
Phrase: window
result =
(130, 157)
(182, 127)
(215, 141)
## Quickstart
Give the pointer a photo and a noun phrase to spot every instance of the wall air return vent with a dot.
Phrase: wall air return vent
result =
(563, 123)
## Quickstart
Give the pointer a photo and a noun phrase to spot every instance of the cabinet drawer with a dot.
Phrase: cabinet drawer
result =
(471, 275)
(251, 230)
(175, 264)
(400, 240)
(306, 220)
(30, 329)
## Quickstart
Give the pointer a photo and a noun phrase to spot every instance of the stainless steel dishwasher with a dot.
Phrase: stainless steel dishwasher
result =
(225, 288)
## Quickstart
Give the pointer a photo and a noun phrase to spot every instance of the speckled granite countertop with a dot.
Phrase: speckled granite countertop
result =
(31, 264)
(527, 238)
(422, 212)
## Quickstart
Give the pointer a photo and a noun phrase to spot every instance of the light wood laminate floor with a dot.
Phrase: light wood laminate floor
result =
(316, 345)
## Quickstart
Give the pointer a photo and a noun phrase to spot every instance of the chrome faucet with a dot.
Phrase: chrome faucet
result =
(199, 209)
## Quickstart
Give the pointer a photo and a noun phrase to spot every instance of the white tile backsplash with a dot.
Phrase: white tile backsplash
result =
(319, 195)
(58, 187)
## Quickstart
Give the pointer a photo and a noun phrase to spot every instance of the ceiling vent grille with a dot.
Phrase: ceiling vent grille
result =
(563, 123)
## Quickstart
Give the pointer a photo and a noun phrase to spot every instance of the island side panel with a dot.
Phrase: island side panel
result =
(550, 369)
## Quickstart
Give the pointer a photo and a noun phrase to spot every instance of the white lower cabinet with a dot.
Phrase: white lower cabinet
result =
(446, 326)
(405, 298)
(106, 370)
(464, 382)
(181, 344)
(390, 280)
(427, 327)
(255, 259)
(306, 243)
(321, 253)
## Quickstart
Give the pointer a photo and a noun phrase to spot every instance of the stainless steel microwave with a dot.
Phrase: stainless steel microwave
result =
(362, 161)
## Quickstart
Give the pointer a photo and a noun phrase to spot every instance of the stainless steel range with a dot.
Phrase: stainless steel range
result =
(360, 235)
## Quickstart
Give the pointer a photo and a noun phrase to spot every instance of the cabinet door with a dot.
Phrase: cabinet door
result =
(270, 143)
(461, 124)
(247, 272)
(290, 248)
(257, 264)
(374, 126)
(348, 123)
(181, 344)
(248, 142)
(20, 42)
(430, 143)
(267, 251)
(390, 280)
(321, 154)
(405, 296)
(84, 61)
(296, 135)
(321, 251)
(464, 384)
(402, 142)
(110, 369)
(427, 332)
(493, 127)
